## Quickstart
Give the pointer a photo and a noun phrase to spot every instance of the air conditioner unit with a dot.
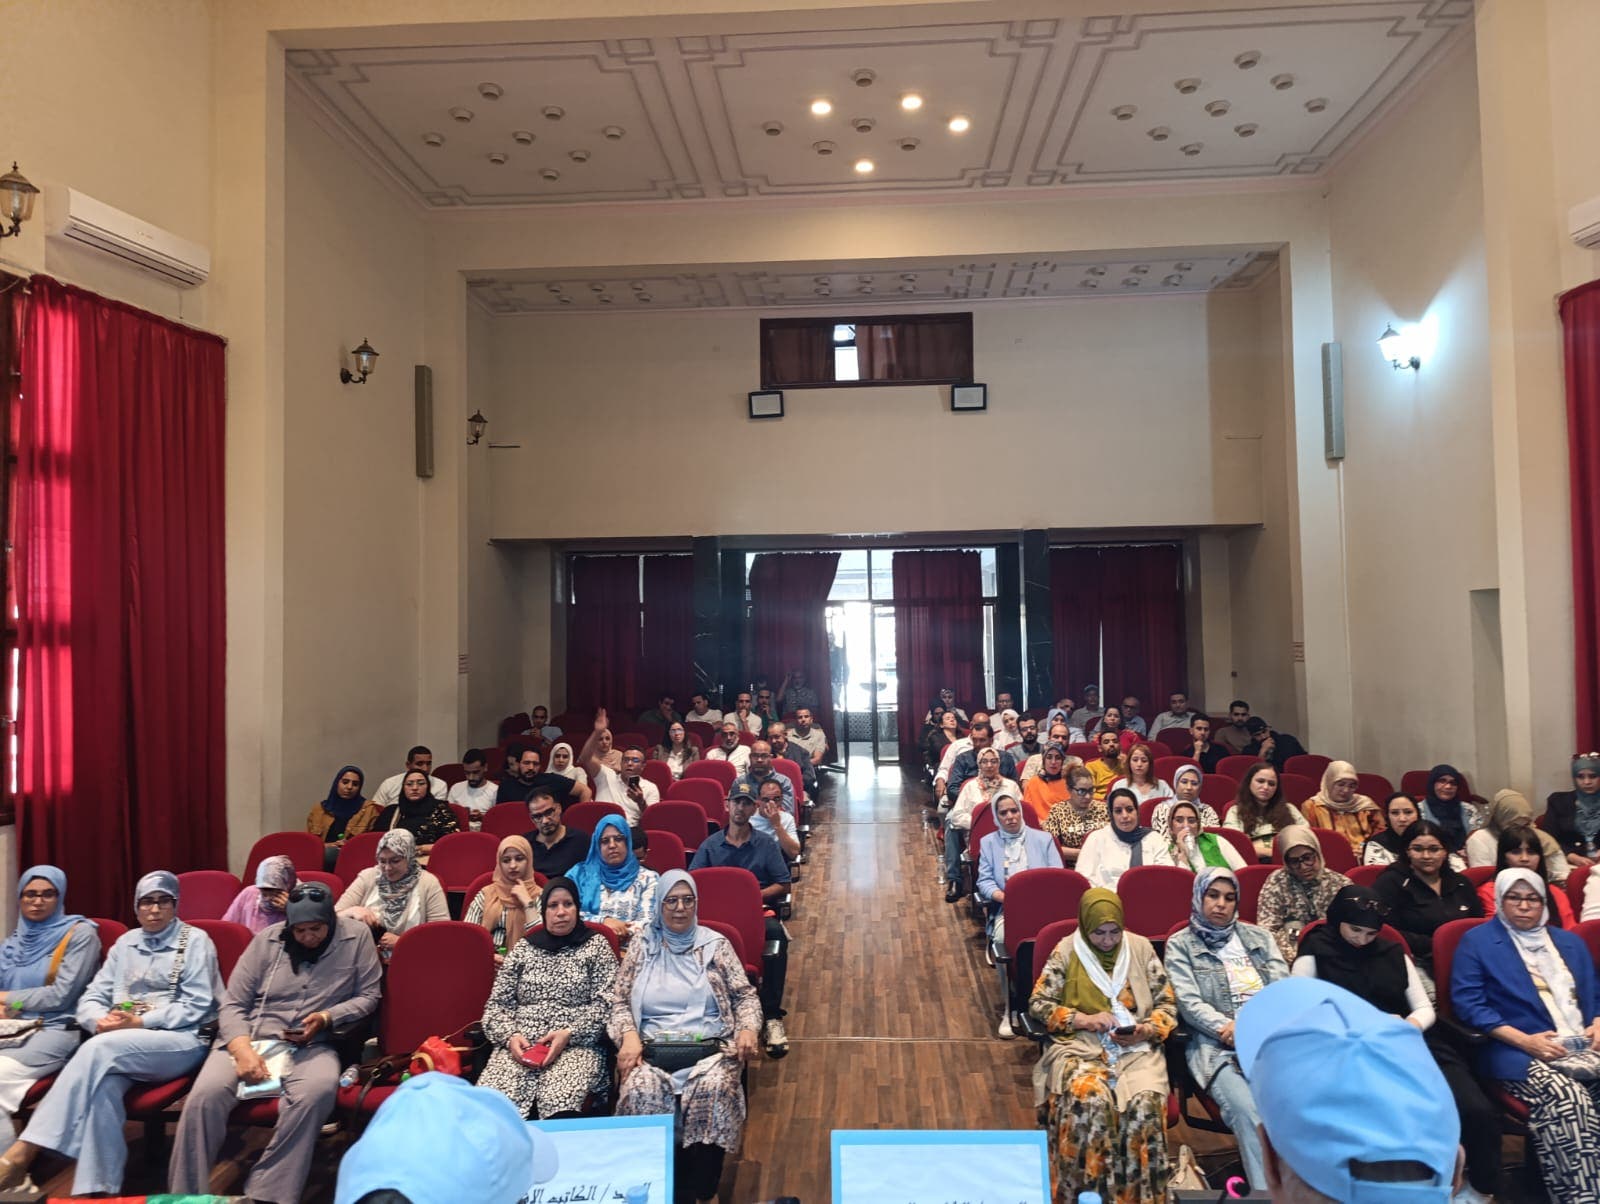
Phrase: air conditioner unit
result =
(82, 219)
(1583, 223)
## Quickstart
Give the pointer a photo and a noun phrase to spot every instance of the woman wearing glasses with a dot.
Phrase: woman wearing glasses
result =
(1293, 897)
(295, 986)
(1071, 822)
(143, 1013)
(1423, 893)
(396, 894)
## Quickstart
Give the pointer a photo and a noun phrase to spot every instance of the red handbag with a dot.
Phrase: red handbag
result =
(437, 1054)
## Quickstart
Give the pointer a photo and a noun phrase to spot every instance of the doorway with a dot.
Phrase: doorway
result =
(861, 660)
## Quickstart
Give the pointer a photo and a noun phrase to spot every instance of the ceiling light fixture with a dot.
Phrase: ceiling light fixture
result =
(613, 132)
(1247, 60)
(862, 125)
(909, 144)
(460, 114)
(1218, 108)
(1247, 130)
(1188, 87)
(865, 167)
(1193, 148)
(772, 128)
(554, 112)
(960, 125)
(1316, 104)
(550, 173)
(497, 157)
(911, 102)
(821, 108)
(1160, 133)
(823, 148)
(1283, 82)
(1124, 112)
(578, 156)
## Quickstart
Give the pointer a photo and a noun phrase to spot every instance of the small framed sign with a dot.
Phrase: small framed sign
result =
(969, 397)
(768, 403)
(982, 1166)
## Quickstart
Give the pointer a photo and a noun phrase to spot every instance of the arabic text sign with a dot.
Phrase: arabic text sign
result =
(981, 1166)
(604, 1159)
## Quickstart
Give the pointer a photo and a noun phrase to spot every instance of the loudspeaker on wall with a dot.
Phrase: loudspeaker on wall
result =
(1333, 401)
(424, 389)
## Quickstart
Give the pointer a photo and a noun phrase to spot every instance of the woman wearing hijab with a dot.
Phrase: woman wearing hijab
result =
(1350, 952)
(419, 813)
(343, 814)
(1423, 893)
(261, 905)
(562, 762)
(1519, 848)
(503, 906)
(1193, 848)
(396, 893)
(1074, 821)
(1291, 898)
(1511, 810)
(1259, 809)
(1011, 848)
(613, 888)
(44, 967)
(1217, 965)
(1340, 807)
(553, 990)
(1006, 734)
(1185, 789)
(980, 791)
(143, 1013)
(1103, 1092)
(1124, 843)
(680, 982)
(1047, 789)
(1533, 989)
(1573, 816)
(1447, 805)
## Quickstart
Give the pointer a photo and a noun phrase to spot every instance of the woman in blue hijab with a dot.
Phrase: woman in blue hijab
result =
(613, 888)
(44, 966)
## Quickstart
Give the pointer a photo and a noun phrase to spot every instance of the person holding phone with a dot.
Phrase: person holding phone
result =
(627, 787)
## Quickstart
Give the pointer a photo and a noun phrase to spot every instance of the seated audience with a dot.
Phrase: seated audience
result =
(947, 699)
(1109, 765)
(976, 792)
(475, 792)
(1073, 821)
(295, 986)
(1532, 988)
(1202, 750)
(1003, 701)
(1011, 848)
(782, 744)
(965, 763)
(1177, 715)
(562, 761)
(613, 888)
(1007, 734)
(565, 781)
(1340, 807)
(261, 905)
(1185, 789)
(809, 736)
(554, 989)
(1511, 810)
(45, 964)
(941, 776)
(741, 845)
(420, 759)
(701, 711)
(1189, 846)
(423, 815)
(343, 814)
(1217, 965)
(1103, 1092)
(504, 904)
(1141, 776)
(541, 724)
(775, 818)
(1423, 893)
(1059, 735)
(1047, 787)
(760, 770)
(1235, 735)
(556, 847)
(794, 693)
(1082, 717)
(742, 717)
(1387, 846)
(1112, 720)
(1028, 744)
(1519, 848)
(1446, 804)
(1124, 843)
(1270, 746)
(682, 983)
(629, 788)
(766, 709)
(142, 1013)
(662, 712)
(1259, 809)
(1299, 893)
(1573, 816)
(396, 894)
(1131, 718)
(1348, 950)
(675, 751)
(730, 750)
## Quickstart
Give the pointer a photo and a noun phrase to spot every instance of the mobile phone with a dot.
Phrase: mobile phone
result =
(294, 1034)
(536, 1054)
(1127, 1030)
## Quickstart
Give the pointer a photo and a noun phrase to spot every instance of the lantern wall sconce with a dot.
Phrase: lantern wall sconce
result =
(477, 424)
(366, 361)
(16, 201)
(1400, 347)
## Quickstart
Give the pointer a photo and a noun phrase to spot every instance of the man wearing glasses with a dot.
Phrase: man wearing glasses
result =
(556, 847)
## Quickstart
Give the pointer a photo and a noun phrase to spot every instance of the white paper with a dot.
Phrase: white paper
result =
(600, 1163)
(936, 1174)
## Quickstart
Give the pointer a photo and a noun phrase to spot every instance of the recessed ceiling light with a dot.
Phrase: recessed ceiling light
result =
(461, 114)
(862, 125)
(433, 138)
(1316, 104)
(822, 291)
(1140, 269)
(497, 157)
(1184, 266)
(1247, 130)
(554, 112)
(865, 166)
(911, 102)
(642, 297)
(565, 300)
(865, 288)
(908, 288)
(1193, 148)
(613, 132)
(909, 277)
(549, 173)
(1247, 60)
(1160, 133)
(1172, 281)
(491, 91)
(909, 144)
(525, 137)
(553, 287)
(1097, 271)
(772, 128)
(821, 108)
(1087, 283)
(1124, 112)
(578, 156)
(864, 77)
(604, 300)
(959, 125)
(823, 148)
(1283, 82)
(1218, 108)
(1131, 282)
(1187, 86)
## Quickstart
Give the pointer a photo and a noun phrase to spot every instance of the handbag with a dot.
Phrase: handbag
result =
(673, 1056)
(14, 1030)
(437, 1054)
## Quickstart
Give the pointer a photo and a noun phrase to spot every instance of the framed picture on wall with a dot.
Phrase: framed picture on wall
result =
(969, 397)
(768, 403)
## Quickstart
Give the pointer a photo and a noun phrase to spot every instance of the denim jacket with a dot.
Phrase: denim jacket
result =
(1204, 1001)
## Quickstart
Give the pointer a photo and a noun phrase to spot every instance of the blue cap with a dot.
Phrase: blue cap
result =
(1336, 1081)
(492, 1155)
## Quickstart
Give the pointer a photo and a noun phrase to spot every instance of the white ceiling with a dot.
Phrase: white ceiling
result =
(847, 286)
(1276, 91)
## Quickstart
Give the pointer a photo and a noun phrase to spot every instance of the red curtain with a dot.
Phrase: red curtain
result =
(119, 573)
(795, 353)
(789, 622)
(1142, 623)
(668, 629)
(1075, 588)
(1580, 320)
(938, 636)
(603, 634)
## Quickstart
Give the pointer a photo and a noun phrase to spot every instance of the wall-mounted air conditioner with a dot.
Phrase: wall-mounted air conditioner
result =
(1583, 223)
(82, 219)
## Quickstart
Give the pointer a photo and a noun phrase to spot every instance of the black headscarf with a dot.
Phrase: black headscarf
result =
(541, 937)
(1375, 971)
(343, 810)
(410, 814)
(309, 903)
(1447, 815)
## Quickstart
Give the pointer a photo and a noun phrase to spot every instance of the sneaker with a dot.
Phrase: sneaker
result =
(777, 1040)
(1470, 1195)
(952, 893)
(1005, 1027)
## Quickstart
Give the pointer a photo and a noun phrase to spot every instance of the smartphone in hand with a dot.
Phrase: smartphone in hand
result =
(1126, 1030)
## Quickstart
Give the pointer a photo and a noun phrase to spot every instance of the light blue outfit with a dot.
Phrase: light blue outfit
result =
(764, 825)
(1198, 967)
(82, 1117)
(24, 965)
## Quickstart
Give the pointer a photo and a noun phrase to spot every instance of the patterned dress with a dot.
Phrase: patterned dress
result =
(1071, 827)
(633, 906)
(534, 992)
(1287, 905)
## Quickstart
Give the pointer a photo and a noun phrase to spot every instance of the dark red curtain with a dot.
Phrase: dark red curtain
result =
(1580, 320)
(1075, 592)
(923, 349)
(668, 629)
(603, 634)
(795, 353)
(1142, 623)
(119, 572)
(938, 636)
(789, 623)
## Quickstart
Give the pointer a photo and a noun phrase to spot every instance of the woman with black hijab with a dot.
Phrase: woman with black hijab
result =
(343, 814)
(1349, 952)
(1449, 805)
(418, 812)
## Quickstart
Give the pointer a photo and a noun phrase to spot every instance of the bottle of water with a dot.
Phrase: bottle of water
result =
(1089, 1197)
(350, 1077)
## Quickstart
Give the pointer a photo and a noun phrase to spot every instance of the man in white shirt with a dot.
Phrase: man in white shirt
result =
(420, 757)
(477, 794)
(742, 715)
(808, 736)
(730, 749)
(701, 711)
(627, 788)
(1178, 715)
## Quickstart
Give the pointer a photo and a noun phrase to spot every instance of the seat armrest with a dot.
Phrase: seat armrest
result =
(1032, 1029)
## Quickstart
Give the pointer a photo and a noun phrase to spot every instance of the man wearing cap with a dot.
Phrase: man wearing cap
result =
(1270, 746)
(1090, 710)
(1354, 1108)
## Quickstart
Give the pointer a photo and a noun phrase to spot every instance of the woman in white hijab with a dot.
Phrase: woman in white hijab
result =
(563, 762)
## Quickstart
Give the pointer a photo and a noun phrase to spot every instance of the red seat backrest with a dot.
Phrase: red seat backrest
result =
(685, 820)
(1085, 751)
(733, 895)
(1044, 944)
(302, 848)
(332, 881)
(1154, 898)
(514, 725)
(358, 853)
(1251, 879)
(1218, 790)
(507, 819)
(658, 773)
(1577, 882)
(584, 816)
(1176, 738)
(664, 852)
(450, 773)
(732, 934)
(1479, 874)
(1589, 930)
(707, 733)
(747, 738)
(1414, 782)
(463, 816)
(471, 893)
(1365, 875)
(1147, 810)
(1038, 897)
(438, 982)
(459, 857)
(653, 733)
(1337, 854)
(791, 769)
(1375, 786)
(1239, 841)
(982, 824)
(1296, 788)
(230, 940)
(1309, 765)
(109, 930)
(709, 794)
(207, 894)
(723, 773)
(1165, 767)
(1445, 940)
(1236, 766)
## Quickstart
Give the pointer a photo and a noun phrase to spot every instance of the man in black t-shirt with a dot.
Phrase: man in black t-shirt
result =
(556, 847)
(520, 788)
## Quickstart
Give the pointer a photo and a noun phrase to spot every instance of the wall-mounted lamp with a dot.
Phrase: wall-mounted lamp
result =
(1399, 348)
(16, 201)
(366, 361)
(477, 424)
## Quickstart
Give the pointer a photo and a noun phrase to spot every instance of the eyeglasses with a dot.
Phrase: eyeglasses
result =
(540, 816)
(38, 895)
(675, 903)
(158, 901)
(613, 840)
(1300, 859)
(1083, 790)
(1524, 900)
(313, 891)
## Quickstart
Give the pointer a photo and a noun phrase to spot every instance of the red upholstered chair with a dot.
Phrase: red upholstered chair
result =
(1086, 751)
(1034, 898)
(1177, 739)
(1445, 943)
(685, 820)
(302, 848)
(1365, 875)
(1239, 841)
(1589, 930)
(460, 857)
(658, 773)
(722, 772)
(632, 740)
(463, 816)
(1577, 881)
(510, 727)
(1154, 898)
(1479, 874)
(1336, 852)
(450, 773)
(1251, 879)
(791, 770)
(332, 881)
(1375, 786)
(710, 795)
(735, 938)
(653, 733)
(748, 738)
(1165, 767)
(471, 893)
(584, 816)
(1309, 765)
(206, 894)
(707, 733)
(1147, 810)
(230, 939)
(733, 895)
(664, 852)
(1297, 789)
(507, 819)
(1217, 791)
(1236, 766)
(1414, 782)
(1030, 962)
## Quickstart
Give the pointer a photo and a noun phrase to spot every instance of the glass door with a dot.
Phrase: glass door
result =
(886, 688)
(865, 688)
